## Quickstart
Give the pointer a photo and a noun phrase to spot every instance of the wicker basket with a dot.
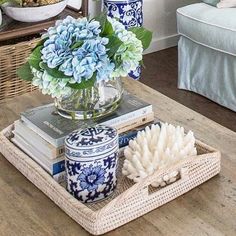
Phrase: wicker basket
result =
(11, 58)
(129, 200)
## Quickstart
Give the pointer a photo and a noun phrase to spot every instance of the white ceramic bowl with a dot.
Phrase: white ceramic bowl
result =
(34, 14)
(76, 4)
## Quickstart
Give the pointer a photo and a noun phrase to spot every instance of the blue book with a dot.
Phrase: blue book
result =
(125, 137)
(58, 167)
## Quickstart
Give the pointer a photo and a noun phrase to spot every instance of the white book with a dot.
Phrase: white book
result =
(53, 167)
(37, 141)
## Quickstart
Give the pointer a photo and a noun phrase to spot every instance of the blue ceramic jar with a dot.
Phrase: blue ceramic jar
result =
(91, 162)
(129, 12)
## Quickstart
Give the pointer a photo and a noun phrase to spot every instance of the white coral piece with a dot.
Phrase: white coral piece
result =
(157, 148)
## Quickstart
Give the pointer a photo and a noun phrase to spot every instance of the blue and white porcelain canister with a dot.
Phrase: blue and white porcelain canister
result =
(91, 162)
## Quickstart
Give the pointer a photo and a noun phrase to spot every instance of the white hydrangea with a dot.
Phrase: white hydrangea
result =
(56, 87)
(129, 53)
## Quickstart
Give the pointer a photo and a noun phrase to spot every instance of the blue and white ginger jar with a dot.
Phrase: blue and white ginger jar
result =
(91, 162)
(129, 12)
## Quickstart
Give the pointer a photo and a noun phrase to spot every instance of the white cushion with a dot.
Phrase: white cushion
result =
(209, 26)
(226, 3)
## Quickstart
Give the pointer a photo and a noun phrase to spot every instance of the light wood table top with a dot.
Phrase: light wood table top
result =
(209, 209)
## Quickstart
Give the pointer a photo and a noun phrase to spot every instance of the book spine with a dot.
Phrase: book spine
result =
(124, 138)
(45, 136)
(52, 168)
(37, 141)
(118, 121)
(58, 167)
(135, 123)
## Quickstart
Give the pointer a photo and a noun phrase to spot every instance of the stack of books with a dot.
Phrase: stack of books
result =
(41, 132)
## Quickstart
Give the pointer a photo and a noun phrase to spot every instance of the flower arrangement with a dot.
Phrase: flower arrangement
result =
(77, 53)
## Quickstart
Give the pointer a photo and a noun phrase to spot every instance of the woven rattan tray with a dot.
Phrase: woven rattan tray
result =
(129, 200)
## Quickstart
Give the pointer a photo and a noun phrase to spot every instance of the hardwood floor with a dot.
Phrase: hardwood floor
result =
(161, 74)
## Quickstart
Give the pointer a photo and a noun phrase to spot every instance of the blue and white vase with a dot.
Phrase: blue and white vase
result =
(130, 14)
(91, 163)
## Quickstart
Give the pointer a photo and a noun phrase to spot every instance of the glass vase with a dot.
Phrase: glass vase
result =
(91, 103)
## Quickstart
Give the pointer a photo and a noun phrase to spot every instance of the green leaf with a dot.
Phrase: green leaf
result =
(77, 44)
(35, 58)
(54, 72)
(113, 45)
(117, 61)
(106, 26)
(142, 64)
(84, 84)
(24, 72)
(142, 34)
(40, 43)
(101, 19)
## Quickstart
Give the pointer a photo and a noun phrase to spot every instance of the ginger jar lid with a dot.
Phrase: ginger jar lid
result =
(92, 141)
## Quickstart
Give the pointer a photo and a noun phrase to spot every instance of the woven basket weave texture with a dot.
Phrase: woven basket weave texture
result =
(11, 58)
(130, 200)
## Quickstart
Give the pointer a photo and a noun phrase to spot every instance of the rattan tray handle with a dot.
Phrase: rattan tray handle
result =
(141, 189)
(184, 177)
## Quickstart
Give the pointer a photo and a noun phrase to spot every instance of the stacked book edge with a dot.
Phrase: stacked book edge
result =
(40, 132)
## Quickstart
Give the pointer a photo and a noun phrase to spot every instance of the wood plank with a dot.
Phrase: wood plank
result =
(209, 209)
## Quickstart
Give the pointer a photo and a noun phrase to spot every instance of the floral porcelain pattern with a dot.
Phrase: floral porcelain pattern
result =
(91, 177)
(130, 14)
(100, 150)
(93, 180)
(91, 136)
(91, 162)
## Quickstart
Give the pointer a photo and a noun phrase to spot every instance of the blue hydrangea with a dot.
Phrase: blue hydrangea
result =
(86, 60)
(63, 35)
(104, 70)
(66, 67)
(87, 29)
(56, 50)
